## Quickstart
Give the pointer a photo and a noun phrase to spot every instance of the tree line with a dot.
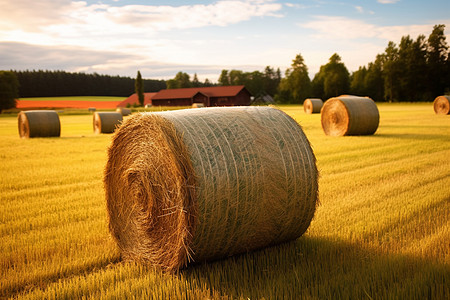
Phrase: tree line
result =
(414, 70)
(60, 83)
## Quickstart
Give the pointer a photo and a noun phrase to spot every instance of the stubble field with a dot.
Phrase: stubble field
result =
(382, 229)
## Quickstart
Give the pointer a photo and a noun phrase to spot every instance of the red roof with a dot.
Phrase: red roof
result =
(133, 99)
(214, 91)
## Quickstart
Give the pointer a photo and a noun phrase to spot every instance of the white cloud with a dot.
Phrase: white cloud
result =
(388, 1)
(359, 9)
(33, 15)
(342, 28)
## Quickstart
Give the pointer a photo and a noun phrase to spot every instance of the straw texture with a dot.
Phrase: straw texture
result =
(201, 184)
(349, 115)
(441, 105)
(106, 122)
(312, 105)
(39, 123)
(124, 111)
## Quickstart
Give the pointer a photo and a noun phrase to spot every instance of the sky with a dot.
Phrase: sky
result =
(161, 38)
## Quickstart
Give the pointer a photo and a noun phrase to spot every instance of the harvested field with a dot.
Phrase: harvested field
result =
(381, 230)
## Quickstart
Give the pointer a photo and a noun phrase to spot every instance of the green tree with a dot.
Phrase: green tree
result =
(139, 88)
(9, 90)
(295, 87)
(438, 61)
(195, 81)
(181, 80)
(337, 77)
(411, 73)
(358, 81)
(374, 80)
(391, 70)
(224, 80)
(332, 80)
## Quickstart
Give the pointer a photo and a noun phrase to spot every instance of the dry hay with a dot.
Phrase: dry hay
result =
(312, 105)
(124, 111)
(202, 184)
(198, 105)
(349, 115)
(106, 122)
(39, 123)
(442, 105)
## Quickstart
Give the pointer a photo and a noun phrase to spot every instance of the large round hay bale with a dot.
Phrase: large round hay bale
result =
(312, 105)
(349, 115)
(124, 111)
(39, 123)
(442, 105)
(202, 184)
(106, 122)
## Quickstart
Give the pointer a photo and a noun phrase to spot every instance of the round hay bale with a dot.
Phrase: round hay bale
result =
(442, 105)
(187, 185)
(39, 123)
(92, 109)
(349, 115)
(312, 106)
(124, 111)
(198, 105)
(106, 122)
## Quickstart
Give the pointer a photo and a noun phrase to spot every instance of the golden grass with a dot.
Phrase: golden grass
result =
(381, 231)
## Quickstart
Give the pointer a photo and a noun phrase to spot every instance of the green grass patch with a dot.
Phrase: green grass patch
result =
(76, 98)
(382, 229)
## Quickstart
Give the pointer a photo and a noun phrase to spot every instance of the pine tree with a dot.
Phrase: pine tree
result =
(139, 88)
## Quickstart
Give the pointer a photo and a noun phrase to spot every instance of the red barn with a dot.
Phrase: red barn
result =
(234, 95)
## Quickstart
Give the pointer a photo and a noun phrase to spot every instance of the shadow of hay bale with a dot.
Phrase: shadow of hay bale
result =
(316, 268)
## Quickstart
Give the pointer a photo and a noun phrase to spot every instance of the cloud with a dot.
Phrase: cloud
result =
(21, 56)
(342, 28)
(387, 1)
(80, 16)
(359, 9)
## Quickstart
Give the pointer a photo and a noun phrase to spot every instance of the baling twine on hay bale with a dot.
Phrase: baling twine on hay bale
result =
(202, 184)
(349, 115)
(124, 111)
(106, 122)
(441, 105)
(312, 105)
(39, 123)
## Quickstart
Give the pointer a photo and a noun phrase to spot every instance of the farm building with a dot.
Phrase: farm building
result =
(208, 96)
(133, 99)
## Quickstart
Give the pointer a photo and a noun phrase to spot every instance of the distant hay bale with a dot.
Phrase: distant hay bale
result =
(39, 123)
(106, 122)
(92, 109)
(349, 115)
(442, 105)
(312, 105)
(124, 111)
(196, 185)
(198, 105)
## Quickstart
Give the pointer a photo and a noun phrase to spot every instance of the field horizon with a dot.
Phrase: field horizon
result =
(381, 229)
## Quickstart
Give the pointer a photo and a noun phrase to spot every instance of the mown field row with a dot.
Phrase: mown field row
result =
(382, 229)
